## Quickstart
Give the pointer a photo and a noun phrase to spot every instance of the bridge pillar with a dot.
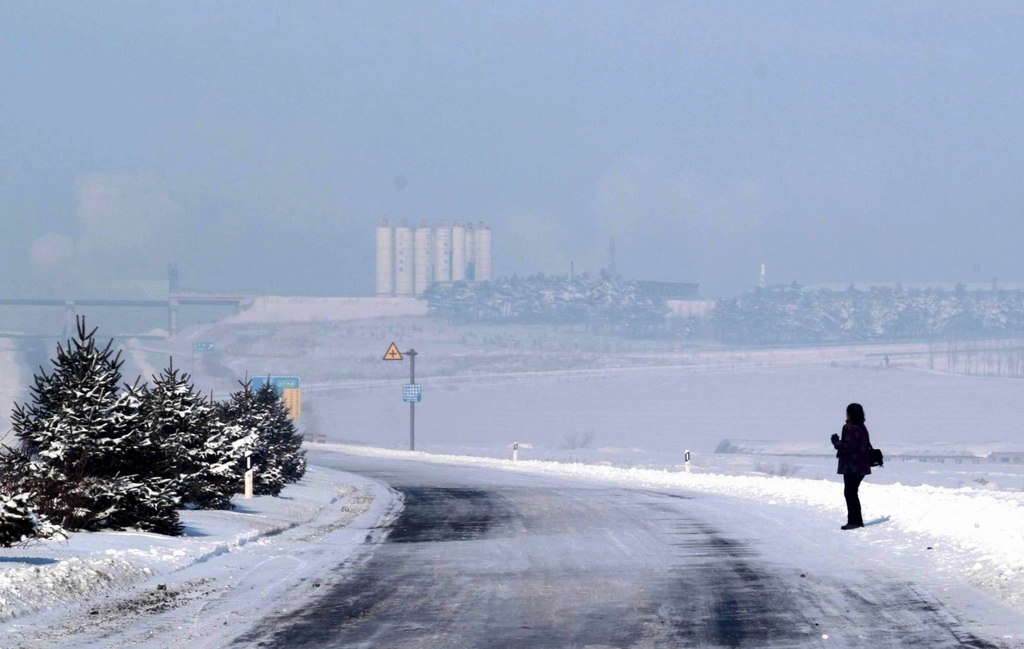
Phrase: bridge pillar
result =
(69, 318)
(172, 317)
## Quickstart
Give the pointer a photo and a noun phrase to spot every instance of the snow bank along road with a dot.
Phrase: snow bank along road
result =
(203, 589)
(483, 558)
(409, 550)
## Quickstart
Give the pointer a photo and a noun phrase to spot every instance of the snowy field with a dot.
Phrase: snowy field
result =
(638, 402)
(967, 544)
(624, 417)
(650, 416)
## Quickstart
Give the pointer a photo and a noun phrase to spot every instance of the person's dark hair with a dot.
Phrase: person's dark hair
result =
(855, 413)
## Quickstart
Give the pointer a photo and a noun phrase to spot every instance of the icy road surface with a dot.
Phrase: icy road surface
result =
(478, 558)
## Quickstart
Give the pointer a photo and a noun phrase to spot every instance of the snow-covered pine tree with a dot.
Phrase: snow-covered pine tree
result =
(283, 440)
(245, 425)
(193, 453)
(225, 451)
(84, 451)
(19, 522)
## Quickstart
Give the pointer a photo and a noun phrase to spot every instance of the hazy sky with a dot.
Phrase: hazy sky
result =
(257, 144)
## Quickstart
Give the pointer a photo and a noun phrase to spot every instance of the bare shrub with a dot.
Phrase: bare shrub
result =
(574, 441)
(783, 470)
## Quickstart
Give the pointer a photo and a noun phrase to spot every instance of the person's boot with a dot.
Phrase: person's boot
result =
(851, 526)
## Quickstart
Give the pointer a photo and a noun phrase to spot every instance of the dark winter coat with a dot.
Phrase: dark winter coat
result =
(853, 449)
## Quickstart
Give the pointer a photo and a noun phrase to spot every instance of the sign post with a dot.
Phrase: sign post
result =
(411, 392)
(412, 402)
(288, 388)
(200, 346)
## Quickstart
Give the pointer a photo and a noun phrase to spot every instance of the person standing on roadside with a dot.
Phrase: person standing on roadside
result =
(853, 449)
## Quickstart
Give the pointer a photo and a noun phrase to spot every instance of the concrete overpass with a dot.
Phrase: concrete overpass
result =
(172, 304)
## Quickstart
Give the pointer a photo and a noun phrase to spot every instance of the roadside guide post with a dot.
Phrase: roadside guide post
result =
(248, 476)
(686, 461)
(515, 451)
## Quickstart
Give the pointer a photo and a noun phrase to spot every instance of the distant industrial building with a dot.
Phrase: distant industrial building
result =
(411, 259)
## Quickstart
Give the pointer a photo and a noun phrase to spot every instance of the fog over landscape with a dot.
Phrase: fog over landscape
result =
(874, 143)
(769, 157)
(646, 254)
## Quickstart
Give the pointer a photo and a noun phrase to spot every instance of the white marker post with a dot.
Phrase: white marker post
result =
(515, 451)
(248, 476)
(686, 461)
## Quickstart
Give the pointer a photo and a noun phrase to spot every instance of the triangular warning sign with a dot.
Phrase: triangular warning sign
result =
(392, 354)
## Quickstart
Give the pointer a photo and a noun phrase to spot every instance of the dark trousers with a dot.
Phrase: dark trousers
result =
(852, 484)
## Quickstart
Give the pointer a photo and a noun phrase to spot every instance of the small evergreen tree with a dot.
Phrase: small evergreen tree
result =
(245, 426)
(19, 522)
(283, 439)
(192, 453)
(85, 456)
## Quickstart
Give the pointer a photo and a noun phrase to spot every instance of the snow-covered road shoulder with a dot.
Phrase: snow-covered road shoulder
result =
(89, 566)
(964, 535)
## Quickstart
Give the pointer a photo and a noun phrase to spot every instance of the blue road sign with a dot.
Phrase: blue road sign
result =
(279, 382)
(412, 393)
(204, 346)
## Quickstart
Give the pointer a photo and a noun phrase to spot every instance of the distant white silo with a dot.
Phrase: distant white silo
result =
(458, 252)
(442, 253)
(385, 259)
(483, 253)
(403, 259)
(470, 253)
(422, 273)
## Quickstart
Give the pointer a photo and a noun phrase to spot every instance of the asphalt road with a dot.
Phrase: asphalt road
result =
(497, 559)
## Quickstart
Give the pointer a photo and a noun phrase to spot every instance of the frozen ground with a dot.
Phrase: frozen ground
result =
(682, 407)
(580, 406)
(966, 546)
(638, 402)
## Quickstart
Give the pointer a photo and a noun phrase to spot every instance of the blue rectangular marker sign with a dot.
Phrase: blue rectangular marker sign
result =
(279, 382)
(412, 393)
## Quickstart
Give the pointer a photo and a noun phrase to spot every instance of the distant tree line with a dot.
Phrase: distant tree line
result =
(595, 303)
(96, 454)
(790, 315)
